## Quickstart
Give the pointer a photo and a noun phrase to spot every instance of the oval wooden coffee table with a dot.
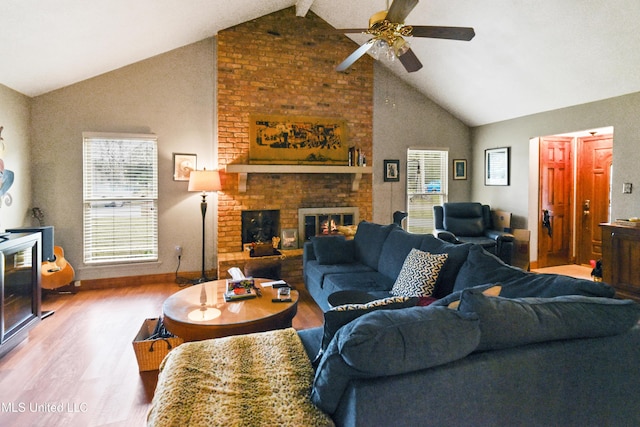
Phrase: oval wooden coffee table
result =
(185, 316)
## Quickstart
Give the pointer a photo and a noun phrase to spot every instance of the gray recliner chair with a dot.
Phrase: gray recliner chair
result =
(471, 222)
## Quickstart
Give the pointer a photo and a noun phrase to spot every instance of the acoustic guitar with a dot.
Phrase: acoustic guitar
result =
(57, 273)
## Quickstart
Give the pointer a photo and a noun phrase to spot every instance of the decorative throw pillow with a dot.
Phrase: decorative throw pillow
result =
(419, 274)
(338, 316)
(493, 291)
(332, 250)
(481, 267)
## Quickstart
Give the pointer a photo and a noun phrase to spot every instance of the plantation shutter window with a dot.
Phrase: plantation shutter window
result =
(120, 198)
(426, 187)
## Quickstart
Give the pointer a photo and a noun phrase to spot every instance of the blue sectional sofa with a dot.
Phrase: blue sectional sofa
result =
(372, 260)
(548, 350)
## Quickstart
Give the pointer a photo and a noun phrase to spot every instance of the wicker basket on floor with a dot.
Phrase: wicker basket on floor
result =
(151, 352)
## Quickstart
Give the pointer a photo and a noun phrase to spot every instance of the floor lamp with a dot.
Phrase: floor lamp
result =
(206, 182)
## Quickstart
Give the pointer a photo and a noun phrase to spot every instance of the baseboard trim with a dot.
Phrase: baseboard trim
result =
(127, 281)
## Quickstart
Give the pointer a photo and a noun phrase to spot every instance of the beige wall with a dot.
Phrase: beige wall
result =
(402, 119)
(14, 152)
(621, 112)
(172, 96)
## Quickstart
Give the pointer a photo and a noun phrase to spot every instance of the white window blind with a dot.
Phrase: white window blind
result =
(120, 197)
(426, 187)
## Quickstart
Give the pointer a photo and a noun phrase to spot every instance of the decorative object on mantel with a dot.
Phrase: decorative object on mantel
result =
(356, 157)
(391, 170)
(183, 165)
(205, 181)
(297, 140)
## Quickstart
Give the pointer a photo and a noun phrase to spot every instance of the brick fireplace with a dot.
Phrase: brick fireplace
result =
(282, 64)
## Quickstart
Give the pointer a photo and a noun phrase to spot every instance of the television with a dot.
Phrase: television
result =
(47, 239)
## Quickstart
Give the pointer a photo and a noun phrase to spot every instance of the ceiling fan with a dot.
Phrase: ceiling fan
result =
(389, 31)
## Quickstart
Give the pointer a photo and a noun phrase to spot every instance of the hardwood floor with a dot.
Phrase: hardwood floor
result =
(573, 270)
(78, 367)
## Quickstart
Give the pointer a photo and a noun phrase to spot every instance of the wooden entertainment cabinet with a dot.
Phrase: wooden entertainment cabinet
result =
(20, 292)
(621, 256)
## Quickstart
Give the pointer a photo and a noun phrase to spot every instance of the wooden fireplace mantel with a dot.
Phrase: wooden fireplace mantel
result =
(244, 170)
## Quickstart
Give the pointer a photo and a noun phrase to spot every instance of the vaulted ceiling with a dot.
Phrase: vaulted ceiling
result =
(527, 56)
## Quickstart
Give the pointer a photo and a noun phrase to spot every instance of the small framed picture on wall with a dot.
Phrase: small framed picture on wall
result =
(459, 169)
(289, 238)
(183, 164)
(496, 166)
(391, 170)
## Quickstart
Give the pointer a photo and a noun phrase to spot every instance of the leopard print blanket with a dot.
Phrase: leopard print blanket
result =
(261, 379)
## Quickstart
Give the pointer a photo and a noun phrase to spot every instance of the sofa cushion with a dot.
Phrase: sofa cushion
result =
(337, 317)
(553, 285)
(419, 274)
(392, 342)
(333, 250)
(366, 281)
(369, 240)
(316, 271)
(506, 322)
(482, 267)
(457, 256)
(491, 291)
(395, 250)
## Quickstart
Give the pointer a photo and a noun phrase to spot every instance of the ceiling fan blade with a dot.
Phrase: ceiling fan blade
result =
(399, 10)
(354, 56)
(353, 30)
(346, 30)
(410, 61)
(451, 33)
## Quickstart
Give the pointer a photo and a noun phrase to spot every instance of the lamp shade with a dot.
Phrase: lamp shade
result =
(204, 180)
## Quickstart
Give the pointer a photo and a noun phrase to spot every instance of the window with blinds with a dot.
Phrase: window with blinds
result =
(426, 187)
(120, 197)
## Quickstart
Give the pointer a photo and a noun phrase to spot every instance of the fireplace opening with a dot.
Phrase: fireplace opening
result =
(260, 226)
(324, 221)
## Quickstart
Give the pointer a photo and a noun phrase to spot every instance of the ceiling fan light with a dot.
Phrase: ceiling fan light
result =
(391, 54)
(378, 49)
(401, 46)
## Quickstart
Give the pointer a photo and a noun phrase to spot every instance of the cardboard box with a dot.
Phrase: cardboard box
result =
(150, 352)
(521, 253)
(501, 220)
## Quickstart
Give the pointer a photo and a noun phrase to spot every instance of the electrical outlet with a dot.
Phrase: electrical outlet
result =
(178, 251)
(626, 188)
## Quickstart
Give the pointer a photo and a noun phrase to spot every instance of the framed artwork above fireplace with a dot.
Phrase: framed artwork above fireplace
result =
(297, 140)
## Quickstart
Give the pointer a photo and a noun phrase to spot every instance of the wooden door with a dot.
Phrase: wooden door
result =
(554, 219)
(595, 154)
